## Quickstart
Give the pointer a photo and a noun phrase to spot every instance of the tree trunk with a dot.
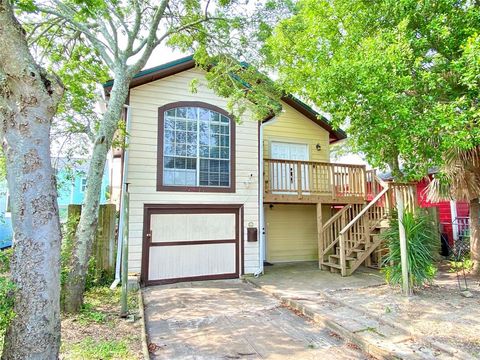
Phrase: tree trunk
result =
(85, 234)
(28, 102)
(475, 235)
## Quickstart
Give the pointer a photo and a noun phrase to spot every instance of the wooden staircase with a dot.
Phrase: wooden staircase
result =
(348, 238)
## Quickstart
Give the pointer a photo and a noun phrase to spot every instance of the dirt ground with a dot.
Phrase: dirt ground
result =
(437, 313)
(99, 333)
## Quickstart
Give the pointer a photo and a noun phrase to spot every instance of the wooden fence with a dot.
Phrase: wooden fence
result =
(104, 246)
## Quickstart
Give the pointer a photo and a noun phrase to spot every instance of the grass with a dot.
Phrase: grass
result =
(98, 332)
(90, 348)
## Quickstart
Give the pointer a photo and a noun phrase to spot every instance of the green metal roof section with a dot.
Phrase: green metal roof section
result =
(317, 114)
(152, 70)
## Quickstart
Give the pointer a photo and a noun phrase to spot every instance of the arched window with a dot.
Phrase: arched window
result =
(195, 148)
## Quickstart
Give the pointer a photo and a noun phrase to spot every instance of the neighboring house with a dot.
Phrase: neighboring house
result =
(5, 217)
(71, 185)
(210, 198)
(453, 215)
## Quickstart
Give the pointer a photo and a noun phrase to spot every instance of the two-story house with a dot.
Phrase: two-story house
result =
(212, 198)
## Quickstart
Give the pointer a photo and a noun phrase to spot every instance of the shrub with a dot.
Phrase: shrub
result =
(422, 246)
(95, 277)
(6, 293)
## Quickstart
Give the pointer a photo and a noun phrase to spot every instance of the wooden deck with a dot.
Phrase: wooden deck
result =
(312, 182)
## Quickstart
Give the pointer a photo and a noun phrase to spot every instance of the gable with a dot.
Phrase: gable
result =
(186, 64)
(293, 127)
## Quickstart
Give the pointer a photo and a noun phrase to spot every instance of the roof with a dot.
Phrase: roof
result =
(187, 63)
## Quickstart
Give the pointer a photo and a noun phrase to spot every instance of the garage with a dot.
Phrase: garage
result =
(191, 242)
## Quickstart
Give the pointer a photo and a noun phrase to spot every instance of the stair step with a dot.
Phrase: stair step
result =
(332, 265)
(338, 257)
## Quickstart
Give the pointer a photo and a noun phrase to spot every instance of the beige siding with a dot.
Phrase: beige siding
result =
(144, 103)
(292, 127)
(292, 232)
(292, 229)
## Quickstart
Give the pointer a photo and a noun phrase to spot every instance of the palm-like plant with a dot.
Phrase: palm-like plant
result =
(422, 245)
(459, 179)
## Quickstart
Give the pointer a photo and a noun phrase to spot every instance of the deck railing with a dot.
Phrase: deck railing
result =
(287, 178)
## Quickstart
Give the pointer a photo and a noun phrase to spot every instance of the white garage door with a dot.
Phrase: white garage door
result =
(191, 243)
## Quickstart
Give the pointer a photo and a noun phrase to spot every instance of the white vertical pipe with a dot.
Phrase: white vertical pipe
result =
(453, 212)
(121, 221)
(262, 225)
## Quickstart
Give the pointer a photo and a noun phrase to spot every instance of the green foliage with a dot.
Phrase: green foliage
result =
(68, 232)
(90, 348)
(95, 277)
(7, 290)
(422, 245)
(5, 256)
(89, 314)
(401, 76)
(464, 264)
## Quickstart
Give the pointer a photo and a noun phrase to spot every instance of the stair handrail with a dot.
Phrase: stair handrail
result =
(363, 211)
(336, 215)
(328, 224)
(380, 181)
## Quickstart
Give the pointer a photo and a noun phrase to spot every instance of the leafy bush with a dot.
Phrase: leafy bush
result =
(5, 256)
(422, 246)
(6, 293)
(95, 277)
(463, 264)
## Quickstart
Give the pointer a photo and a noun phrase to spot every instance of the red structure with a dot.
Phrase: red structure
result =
(445, 210)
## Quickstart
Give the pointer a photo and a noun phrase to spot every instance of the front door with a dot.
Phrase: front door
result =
(285, 174)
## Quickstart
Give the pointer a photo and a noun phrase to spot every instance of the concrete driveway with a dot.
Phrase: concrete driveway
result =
(232, 320)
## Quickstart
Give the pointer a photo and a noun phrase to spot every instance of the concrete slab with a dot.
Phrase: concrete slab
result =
(315, 293)
(233, 320)
(304, 279)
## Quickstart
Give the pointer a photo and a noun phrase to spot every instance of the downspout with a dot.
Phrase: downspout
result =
(123, 199)
(261, 216)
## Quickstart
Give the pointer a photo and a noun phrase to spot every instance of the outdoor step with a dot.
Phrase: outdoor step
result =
(333, 265)
(358, 250)
(337, 251)
(337, 257)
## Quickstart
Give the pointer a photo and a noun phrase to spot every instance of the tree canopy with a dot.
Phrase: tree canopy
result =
(401, 76)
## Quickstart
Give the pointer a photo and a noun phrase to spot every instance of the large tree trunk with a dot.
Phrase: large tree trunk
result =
(28, 102)
(475, 235)
(84, 236)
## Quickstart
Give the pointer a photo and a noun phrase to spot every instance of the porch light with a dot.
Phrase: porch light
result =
(318, 147)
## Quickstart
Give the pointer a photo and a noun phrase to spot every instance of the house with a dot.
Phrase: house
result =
(71, 186)
(453, 216)
(211, 198)
(72, 183)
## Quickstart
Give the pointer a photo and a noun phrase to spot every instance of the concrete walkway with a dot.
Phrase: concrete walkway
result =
(311, 291)
(233, 320)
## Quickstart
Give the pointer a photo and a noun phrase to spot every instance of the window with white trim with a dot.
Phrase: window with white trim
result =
(196, 148)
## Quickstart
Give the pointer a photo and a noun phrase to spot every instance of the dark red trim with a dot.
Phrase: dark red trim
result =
(242, 240)
(193, 278)
(150, 209)
(160, 137)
